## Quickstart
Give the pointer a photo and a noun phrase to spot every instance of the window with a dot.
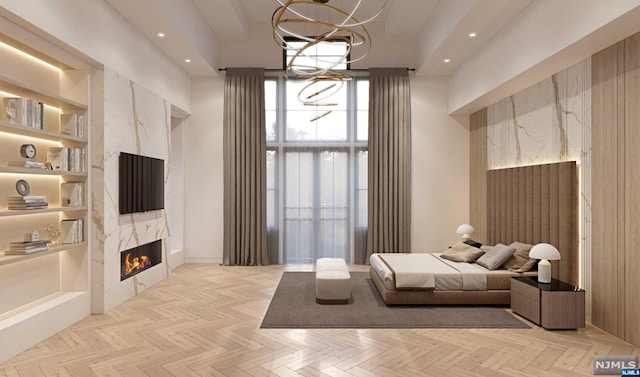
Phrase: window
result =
(316, 172)
(321, 55)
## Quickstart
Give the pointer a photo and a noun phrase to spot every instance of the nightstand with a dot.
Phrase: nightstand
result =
(556, 305)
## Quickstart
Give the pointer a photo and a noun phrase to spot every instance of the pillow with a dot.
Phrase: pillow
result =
(462, 252)
(520, 261)
(495, 257)
(473, 243)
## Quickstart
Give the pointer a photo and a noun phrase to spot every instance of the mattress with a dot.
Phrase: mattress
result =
(495, 280)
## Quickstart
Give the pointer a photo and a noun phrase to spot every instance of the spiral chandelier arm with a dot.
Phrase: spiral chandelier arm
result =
(289, 20)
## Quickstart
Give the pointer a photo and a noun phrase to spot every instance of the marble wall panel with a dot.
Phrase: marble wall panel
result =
(137, 121)
(549, 122)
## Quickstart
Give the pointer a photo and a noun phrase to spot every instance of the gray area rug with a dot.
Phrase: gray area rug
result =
(294, 306)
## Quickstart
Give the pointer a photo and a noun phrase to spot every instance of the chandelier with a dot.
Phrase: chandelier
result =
(296, 20)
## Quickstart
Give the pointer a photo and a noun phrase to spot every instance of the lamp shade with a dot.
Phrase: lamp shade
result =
(465, 229)
(544, 251)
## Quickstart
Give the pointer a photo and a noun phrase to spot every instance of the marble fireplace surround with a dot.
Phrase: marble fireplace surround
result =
(126, 117)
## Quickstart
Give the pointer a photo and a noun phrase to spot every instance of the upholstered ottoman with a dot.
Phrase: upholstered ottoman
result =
(333, 282)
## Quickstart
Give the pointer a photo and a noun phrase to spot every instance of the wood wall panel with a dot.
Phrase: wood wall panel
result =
(477, 174)
(605, 199)
(549, 210)
(618, 268)
(632, 190)
(616, 189)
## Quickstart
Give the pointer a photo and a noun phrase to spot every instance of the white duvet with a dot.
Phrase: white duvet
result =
(427, 272)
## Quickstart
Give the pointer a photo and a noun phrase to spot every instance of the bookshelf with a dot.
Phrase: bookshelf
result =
(49, 289)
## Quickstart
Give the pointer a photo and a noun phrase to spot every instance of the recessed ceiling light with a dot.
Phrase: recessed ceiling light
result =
(447, 60)
(471, 35)
(160, 35)
(187, 60)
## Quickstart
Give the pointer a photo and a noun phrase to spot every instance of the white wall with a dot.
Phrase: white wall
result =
(440, 167)
(96, 30)
(176, 204)
(547, 37)
(203, 165)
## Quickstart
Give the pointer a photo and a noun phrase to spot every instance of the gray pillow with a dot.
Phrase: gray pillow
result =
(520, 261)
(495, 257)
(462, 252)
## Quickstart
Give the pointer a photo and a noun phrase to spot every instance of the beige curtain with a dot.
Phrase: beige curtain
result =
(389, 225)
(245, 212)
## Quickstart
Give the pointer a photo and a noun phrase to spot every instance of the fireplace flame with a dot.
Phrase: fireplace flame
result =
(137, 263)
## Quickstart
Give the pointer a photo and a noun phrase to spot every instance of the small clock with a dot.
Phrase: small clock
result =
(28, 150)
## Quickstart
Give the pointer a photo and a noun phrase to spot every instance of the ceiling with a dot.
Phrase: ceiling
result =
(438, 29)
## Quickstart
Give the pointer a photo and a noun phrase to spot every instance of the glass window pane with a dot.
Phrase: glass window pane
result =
(270, 94)
(362, 131)
(270, 124)
(299, 207)
(362, 182)
(334, 92)
(299, 126)
(271, 189)
(362, 94)
(334, 204)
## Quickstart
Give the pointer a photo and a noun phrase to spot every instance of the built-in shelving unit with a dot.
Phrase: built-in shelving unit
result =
(47, 290)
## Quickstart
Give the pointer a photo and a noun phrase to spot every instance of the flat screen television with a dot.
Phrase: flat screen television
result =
(141, 183)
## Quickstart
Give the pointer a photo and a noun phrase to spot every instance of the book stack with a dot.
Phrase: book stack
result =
(72, 194)
(72, 124)
(72, 231)
(27, 202)
(66, 159)
(24, 112)
(27, 164)
(27, 247)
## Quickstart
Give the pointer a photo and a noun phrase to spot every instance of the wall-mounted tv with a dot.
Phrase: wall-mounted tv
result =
(141, 183)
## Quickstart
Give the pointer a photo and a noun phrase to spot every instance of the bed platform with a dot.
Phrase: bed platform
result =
(407, 297)
(529, 204)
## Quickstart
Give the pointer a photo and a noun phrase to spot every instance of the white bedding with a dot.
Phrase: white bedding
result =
(427, 272)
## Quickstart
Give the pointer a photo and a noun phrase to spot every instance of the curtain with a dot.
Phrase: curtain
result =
(245, 213)
(389, 219)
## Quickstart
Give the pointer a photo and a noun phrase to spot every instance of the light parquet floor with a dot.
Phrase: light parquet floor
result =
(204, 320)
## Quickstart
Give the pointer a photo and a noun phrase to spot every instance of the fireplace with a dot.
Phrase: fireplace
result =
(138, 259)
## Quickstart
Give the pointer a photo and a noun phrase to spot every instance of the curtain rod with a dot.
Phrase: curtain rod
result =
(347, 70)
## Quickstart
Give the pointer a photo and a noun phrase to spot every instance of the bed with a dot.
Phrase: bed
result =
(529, 205)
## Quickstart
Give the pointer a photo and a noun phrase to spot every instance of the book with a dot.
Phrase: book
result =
(29, 244)
(58, 158)
(67, 159)
(72, 194)
(72, 231)
(18, 252)
(27, 164)
(24, 112)
(20, 207)
(72, 124)
(28, 197)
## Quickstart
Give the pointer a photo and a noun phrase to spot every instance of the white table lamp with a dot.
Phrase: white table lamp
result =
(545, 253)
(465, 230)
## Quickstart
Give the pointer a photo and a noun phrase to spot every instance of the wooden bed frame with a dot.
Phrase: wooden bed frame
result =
(530, 204)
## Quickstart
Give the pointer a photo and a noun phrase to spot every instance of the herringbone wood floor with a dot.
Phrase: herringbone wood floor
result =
(204, 321)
